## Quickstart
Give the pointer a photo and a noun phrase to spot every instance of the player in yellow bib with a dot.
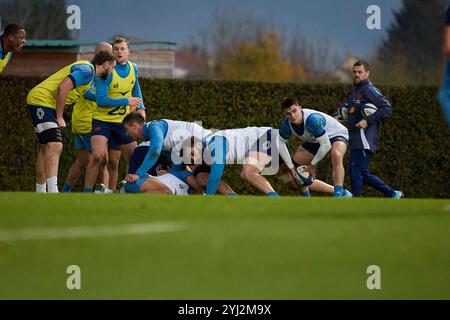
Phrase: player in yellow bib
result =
(83, 110)
(46, 105)
(13, 39)
(116, 97)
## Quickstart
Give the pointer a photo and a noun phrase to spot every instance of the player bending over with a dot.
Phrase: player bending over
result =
(46, 103)
(164, 135)
(252, 147)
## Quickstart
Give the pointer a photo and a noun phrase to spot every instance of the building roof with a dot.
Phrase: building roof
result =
(89, 46)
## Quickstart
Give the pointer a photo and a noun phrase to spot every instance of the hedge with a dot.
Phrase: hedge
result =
(413, 154)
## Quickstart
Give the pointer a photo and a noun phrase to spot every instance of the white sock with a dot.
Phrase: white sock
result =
(52, 185)
(41, 188)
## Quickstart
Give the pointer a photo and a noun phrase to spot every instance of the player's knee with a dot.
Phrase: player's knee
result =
(336, 157)
(246, 175)
(55, 147)
(98, 158)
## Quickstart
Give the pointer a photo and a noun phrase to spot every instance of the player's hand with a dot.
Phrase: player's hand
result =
(134, 102)
(311, 169)
(61, 123)
(293, 173)
(131, 178)
(362, 124)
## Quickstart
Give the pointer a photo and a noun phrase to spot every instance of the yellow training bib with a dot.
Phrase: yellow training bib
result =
(4, 61)
(82, 115)
(119, 88)
(44, 94)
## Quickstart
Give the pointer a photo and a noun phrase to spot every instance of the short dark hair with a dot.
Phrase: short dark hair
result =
(134, 117)
(103, 56)
(363, 63)
(12, 29)
(120, 40)
(288, 102)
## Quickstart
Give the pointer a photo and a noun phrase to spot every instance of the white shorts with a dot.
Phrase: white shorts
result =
(177, 186)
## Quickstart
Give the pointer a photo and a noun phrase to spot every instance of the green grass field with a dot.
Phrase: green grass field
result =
(222, 247)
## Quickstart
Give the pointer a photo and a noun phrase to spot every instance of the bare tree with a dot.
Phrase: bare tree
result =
(43, 19)
(230, 27)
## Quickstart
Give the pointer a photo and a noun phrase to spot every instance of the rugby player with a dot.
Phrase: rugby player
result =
(116, 96)
(12, 40)
(46, 103)
(82, 113)
(164, 135)
(252, 147)
(319, 135)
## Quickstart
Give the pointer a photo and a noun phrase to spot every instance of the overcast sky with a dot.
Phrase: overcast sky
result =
(341, 22)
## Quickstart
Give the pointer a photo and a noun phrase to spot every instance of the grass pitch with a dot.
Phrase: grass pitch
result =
(165, 247)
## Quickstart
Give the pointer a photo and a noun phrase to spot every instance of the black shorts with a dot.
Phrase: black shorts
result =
(45, 125)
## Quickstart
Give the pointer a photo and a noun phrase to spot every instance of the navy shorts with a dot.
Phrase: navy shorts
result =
(83, 142)
(45, 125)
(314, 147)
(114, 132)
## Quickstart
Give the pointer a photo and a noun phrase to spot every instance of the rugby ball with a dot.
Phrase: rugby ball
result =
(368, 109)
(303, 178)
(343, 111)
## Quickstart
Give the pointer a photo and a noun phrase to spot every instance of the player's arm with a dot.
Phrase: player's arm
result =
(218, 153)
(90, 94)
(80, 74)
(101, 96)
(177, 167)
(137, 92)
(187, 176)
(447, 41)
(286, 155)
(61, 96)
(156, 133)
(315, 124)
(381, 102)
(285, 133)
(447, 33)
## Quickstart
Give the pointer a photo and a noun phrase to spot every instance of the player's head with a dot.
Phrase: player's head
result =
(104, 62)
(292, 109)
(192, 150)
(16, 36)
(121, 49)
(103, 46)
(134, 124)
(361, 71)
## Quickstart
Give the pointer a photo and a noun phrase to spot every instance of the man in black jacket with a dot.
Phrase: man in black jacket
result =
(364, 132)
